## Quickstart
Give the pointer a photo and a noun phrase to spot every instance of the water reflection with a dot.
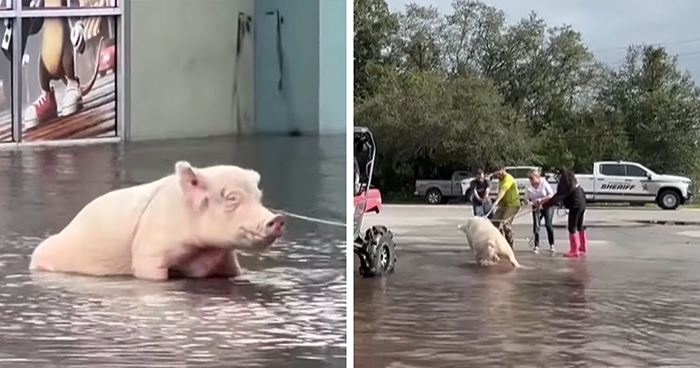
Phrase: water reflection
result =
(292, 314)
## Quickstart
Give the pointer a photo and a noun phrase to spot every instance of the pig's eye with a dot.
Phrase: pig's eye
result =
(229, 197)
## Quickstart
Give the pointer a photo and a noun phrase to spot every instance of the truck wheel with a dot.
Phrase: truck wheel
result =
(433, 196)
(669, 199)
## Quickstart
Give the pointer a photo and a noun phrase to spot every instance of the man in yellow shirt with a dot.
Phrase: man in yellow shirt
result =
(508, 203)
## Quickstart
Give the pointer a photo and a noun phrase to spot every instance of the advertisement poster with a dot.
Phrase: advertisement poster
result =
(6, 82)
(68, 78)
(45, 4)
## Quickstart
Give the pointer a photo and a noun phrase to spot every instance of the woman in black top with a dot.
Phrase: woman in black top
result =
(574, 199)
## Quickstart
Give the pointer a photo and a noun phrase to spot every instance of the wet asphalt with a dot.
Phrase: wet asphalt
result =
(631, 302)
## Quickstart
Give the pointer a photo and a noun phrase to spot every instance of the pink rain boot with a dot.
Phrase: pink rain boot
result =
(573, 246)
(583, 239)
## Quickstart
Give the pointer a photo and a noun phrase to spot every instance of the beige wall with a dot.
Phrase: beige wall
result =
(183, 68)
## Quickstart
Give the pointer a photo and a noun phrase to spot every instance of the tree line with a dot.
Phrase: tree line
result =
(466, 90)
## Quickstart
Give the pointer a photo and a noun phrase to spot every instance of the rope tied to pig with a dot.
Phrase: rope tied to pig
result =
(311, 219)
(560, 211)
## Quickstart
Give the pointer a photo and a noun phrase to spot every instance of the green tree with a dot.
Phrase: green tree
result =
(466, 90)
(427, 124)
(474, 38)
(418, 46)
(374, 29)
(658, 107)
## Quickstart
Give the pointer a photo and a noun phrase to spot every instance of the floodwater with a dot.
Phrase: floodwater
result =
(292, 314)
(632, 302)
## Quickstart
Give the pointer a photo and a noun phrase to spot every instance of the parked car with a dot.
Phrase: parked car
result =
(374, 200)
(437, 191)
(631, 182)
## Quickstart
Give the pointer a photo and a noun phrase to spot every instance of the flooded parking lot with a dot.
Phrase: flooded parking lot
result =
(632, 302)
(292, 315)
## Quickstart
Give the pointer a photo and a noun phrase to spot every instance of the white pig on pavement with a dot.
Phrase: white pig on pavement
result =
(487, 243)
(190, 223)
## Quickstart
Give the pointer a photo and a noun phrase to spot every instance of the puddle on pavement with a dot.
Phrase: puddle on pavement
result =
(631, 303)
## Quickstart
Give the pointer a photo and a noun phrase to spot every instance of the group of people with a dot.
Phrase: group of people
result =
(541, 198)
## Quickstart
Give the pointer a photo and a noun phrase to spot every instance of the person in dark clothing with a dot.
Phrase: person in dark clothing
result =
(479, 191)
(572, 196)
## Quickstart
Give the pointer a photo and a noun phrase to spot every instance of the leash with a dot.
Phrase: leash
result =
(510, 219)
(493, 207)
(531, 240)
(311, 219)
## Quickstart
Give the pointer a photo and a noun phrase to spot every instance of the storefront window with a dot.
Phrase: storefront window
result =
(65, 69)
(53, 4)
(6, 82)
(68, 75)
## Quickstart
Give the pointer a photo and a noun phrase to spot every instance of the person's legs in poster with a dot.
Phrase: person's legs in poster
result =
(59, 43)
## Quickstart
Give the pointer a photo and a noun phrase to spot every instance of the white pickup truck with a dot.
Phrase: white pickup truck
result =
(623, 181)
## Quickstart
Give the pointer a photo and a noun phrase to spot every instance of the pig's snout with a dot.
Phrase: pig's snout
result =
(274, 227)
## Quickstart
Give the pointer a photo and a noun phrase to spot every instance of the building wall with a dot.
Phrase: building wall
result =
(292, 105)
(333, 59)
(188, 78)
(185, 69)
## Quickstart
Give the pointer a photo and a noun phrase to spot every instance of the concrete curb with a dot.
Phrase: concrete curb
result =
(603, 224)
(588, 207)
(631, 223)
(668, 222)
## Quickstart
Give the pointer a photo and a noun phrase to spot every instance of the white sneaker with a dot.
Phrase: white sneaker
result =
(551, 249)
(536, 250)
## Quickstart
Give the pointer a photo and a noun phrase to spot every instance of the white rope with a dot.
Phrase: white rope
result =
(520, 212)
(493, 207)
(312, 219)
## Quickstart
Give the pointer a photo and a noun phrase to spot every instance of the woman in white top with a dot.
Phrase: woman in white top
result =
(537, 192)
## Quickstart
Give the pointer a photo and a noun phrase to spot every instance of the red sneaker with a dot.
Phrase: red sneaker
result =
(44, 108)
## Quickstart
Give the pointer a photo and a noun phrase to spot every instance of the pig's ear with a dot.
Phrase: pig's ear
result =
(193, 185)
(254, 177)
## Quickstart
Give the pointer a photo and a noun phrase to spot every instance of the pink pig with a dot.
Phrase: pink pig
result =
(191, 223)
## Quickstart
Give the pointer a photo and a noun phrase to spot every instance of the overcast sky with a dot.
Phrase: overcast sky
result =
(608, 27)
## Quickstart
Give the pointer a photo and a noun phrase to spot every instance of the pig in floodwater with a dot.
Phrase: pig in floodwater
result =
(190, 223)
(487, 243)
